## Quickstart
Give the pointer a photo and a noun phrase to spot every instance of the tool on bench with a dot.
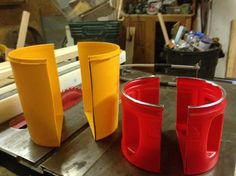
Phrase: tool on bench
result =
(191, 67)
(71, 97)
(124, 67)
(172, 66)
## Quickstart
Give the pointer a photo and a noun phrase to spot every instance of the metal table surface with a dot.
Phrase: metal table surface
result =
(16, 142)
(80, 155)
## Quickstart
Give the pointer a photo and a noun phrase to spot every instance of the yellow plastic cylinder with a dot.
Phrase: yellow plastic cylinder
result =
(99, 62)
(36, 78)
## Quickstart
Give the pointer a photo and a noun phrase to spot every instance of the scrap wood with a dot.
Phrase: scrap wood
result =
(231, 64)
(23, 29)
(164, 31)
(129, 44)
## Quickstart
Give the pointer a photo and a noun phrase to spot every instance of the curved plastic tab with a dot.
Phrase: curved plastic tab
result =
(36, 78)
(141, 123)
(200, 115)
(100, 71)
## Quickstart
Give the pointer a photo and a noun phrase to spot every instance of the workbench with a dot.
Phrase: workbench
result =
(147, 36)
(80, 155)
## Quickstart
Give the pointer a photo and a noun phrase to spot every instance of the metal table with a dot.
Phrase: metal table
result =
(80, 155)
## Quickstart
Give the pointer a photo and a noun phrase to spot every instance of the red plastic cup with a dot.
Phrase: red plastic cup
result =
(141, 123)
(200, 116)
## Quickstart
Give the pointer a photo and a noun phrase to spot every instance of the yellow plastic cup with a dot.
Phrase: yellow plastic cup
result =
(36, 78)
(99, 62)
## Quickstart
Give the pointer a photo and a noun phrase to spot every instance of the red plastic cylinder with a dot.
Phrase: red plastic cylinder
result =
(141, 123)
(200, 116)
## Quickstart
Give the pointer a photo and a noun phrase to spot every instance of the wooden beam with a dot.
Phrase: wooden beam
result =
(64, 54)
(23, 29)
(119, 9)
(164, 31)
(129, 44)
(231, 64)
(61, 55)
